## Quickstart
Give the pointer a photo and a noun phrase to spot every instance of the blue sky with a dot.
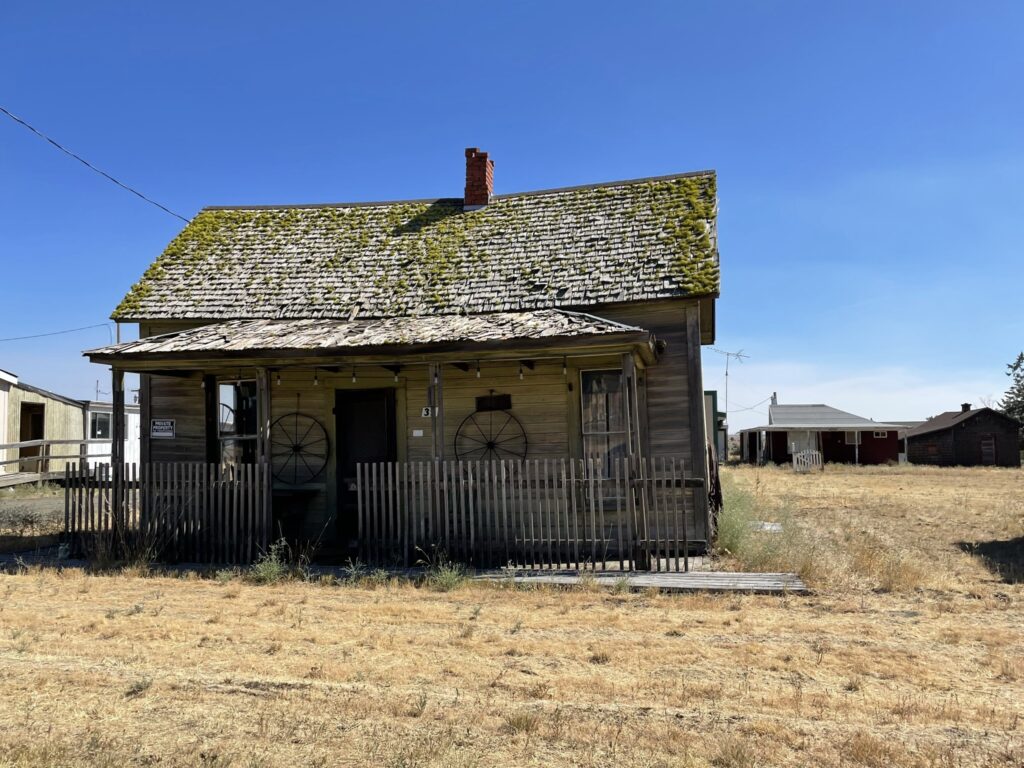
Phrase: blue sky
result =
(870, 158)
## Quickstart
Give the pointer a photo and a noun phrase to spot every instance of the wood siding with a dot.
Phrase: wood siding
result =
(669, 389)
(960, 444)
(61, 421)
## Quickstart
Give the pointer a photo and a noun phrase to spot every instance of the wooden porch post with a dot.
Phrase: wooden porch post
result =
(436, 373)
(263, 457)
(117, 453)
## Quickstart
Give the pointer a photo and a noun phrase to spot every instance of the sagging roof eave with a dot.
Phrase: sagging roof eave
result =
(641, 342)
(590, 309)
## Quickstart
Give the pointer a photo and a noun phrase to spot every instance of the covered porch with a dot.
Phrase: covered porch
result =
(492, 439)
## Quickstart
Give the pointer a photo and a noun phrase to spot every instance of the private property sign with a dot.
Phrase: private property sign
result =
(161, 429)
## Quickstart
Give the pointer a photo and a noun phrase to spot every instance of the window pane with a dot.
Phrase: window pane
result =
(607, 448)
(99, 426)
(237, 452)
(236, 412)
(602, 402)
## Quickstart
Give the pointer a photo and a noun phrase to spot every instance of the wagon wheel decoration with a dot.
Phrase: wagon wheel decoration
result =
(298, 448)
(490, 435)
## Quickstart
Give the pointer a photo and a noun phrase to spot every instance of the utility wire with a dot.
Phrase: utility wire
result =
(58, 333)
(90, 166)
(752, 407)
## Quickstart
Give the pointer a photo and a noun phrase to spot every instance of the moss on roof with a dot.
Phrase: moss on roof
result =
(627, 241)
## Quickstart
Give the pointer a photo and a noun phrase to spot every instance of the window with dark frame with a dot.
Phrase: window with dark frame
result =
(603, 418)
(237, 421)
(99, 426)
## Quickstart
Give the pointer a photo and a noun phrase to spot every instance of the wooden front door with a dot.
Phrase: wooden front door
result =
(988, 449)
(365, 429)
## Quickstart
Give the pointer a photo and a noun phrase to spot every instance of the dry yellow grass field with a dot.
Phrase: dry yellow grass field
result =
(908, 654)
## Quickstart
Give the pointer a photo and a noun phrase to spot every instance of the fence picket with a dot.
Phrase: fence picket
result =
(536, 513)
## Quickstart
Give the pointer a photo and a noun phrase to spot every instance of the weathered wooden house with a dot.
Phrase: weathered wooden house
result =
(969, 437)
(499, 376)
(838, 436)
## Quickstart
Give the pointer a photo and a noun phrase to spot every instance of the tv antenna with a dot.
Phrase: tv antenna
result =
(739, 357)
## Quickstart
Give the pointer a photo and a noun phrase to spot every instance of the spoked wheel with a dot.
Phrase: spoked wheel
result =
(298, 448)
(490, 435)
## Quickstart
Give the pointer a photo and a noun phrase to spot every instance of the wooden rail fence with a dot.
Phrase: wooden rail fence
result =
(624, 513)
(176, 511)
(39, 461)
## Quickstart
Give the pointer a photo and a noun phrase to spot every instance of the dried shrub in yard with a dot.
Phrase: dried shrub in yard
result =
(441, 574)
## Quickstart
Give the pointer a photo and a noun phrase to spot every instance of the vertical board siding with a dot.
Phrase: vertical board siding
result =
(61, 421)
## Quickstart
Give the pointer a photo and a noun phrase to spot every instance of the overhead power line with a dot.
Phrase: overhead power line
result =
(90, 166)
(58, 333)
(751, 407)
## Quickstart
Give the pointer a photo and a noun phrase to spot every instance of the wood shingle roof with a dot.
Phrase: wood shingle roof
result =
(242, 337)
(578, 247)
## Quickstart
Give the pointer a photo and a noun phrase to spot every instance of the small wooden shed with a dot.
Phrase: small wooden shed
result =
(969, 437)
(496, 375)
(30, 414)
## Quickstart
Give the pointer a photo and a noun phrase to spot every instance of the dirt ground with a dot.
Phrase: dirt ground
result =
(910, 653)
(30, 517)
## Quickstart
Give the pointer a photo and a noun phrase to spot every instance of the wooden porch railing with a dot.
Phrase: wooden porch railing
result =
(176, 511)
(629, 514)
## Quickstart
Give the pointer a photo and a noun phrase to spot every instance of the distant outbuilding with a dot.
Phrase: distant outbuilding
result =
(970, 437)
(838, 436)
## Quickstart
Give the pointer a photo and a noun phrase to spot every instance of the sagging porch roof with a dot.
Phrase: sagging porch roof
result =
(396, 335)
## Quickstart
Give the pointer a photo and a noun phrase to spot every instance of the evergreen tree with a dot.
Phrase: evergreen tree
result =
(1012, 403)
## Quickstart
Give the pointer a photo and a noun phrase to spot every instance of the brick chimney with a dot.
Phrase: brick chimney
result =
(479, 179)
(965, 407)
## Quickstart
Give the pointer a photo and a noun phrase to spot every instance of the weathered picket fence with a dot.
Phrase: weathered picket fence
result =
(173, 511)
(624, 513)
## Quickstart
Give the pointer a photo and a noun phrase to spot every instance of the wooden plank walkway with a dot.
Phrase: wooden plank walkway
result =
(694, 581)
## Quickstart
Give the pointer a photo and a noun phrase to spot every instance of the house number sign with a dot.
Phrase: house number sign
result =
(161, 429)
